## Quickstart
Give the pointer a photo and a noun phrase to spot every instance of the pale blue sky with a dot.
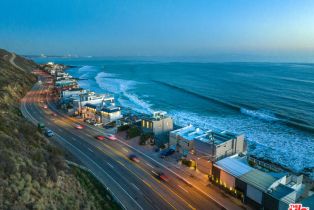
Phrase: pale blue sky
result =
(243, 29)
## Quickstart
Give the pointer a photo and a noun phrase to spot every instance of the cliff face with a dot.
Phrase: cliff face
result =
(33, 172)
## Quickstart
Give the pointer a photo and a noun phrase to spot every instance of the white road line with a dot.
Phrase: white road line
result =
(125, 149)
(135, 186)
(110, 165)
(90, 149)
(149, 165)
(183, 189)
(35, 121)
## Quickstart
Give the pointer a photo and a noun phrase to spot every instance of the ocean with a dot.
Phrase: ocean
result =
(271, 103)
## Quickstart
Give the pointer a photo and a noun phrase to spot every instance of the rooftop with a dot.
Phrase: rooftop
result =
(217, 137)
(159, 115)
(91, 106)
(189, 132)
(281, 191)
(110, 109)
(238, 167)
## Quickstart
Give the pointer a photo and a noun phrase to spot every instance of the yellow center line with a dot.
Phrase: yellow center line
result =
(145, 182)
(118, 152)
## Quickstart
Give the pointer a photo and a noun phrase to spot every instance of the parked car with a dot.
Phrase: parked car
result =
(89, 121)
(161, 176)
(97, 124)
(45, 106)
(134, 158)
(166, 153)
(48, 133)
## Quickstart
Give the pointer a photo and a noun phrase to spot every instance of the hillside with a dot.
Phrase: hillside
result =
(33, 172)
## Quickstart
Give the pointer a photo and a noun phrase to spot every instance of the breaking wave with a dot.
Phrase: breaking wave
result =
(247, 110)
(123, 87)
(260, 114)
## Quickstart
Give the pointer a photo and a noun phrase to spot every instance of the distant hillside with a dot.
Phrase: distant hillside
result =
(33, 172)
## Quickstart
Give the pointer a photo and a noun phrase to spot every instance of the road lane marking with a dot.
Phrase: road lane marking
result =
(147, 184)
(183, 189)
(135, 186)
(125, 144)
(149, 165)
(125, 149)
(90, 149)
(110, 165)
(120, 163)
(104, 173)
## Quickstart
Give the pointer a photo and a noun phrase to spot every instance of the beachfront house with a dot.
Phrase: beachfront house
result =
(79, 101)
(261, 189)
(158, 123)
(89, 111)
(210, 145)
(184, 139)
(110, 114)
(73, 92)
(219, 144)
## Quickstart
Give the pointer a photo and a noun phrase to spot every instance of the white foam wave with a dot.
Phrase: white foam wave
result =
(260, 114)
(123, 87)
(275, 142)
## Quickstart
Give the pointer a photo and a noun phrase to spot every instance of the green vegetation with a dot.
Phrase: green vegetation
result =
(145, 137)
(134, 131)
(33, 171)
(96, 193)
(123, 128)
(188, 163)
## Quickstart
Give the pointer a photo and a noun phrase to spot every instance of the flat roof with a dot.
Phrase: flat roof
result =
(91, 106)
(233, 166)
(258, 179)
(189, 132)
(281, 191)
(217, 137)
(237, 168)
(110, 109)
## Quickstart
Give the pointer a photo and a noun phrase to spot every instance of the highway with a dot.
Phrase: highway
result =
(132, 184)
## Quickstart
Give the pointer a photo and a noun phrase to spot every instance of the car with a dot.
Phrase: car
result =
(48, 133)
(41, 101)
(161, 176)
(166, 153)
(97, 124)
(100, 138)
(78, 126)
(53, 114)
(134, 158)
(45, 107)
(87, 120)
(111, 137)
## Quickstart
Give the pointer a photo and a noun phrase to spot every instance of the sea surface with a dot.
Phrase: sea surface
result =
(271, 103)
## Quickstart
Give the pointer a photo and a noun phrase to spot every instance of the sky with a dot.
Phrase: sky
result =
(265, 30)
